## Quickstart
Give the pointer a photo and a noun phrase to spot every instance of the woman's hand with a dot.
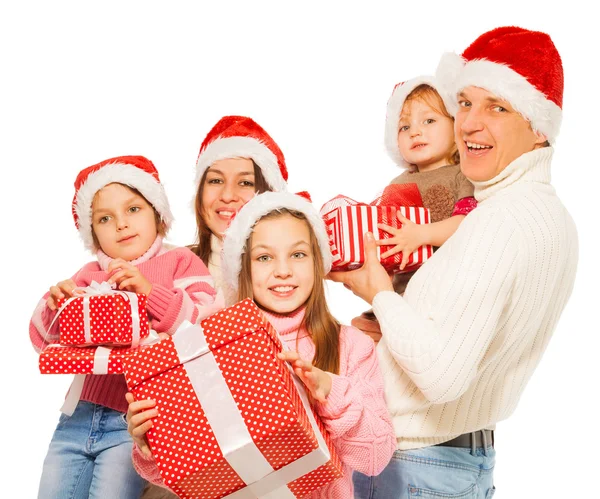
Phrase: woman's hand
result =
(406, 239)
(64, 289)
(139, 421)
(317, 382)
(370, 279)
(128, 277)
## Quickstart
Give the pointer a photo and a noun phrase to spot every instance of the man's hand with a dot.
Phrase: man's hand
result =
(370, 279)
(368, 324)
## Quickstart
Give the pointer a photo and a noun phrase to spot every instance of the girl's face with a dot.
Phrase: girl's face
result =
(123, 222)
(282, 264)
(425, 137)
(228, 186)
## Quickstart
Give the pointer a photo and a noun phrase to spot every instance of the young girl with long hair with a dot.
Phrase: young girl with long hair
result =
(276, 252)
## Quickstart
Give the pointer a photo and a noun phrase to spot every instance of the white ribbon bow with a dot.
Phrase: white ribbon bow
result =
(103, 288)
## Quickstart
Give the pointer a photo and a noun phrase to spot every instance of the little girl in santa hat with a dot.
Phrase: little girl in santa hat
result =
(419, 137)
(122, 214)
(276, 251)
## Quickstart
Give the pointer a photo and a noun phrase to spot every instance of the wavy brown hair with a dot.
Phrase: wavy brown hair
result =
(318, 321)
(202, 245)
(429, 96)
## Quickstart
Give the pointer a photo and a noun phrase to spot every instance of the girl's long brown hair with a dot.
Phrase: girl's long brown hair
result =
(318, 321)
(202, 245)
(429, 95)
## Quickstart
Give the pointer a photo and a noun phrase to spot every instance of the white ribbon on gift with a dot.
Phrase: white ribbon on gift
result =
(100, 366)
(229, 427)
(97, 289)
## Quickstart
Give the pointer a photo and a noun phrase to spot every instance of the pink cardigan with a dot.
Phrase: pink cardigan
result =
(355, 413)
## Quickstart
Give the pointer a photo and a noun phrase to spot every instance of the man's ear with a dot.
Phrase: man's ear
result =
(540, 139)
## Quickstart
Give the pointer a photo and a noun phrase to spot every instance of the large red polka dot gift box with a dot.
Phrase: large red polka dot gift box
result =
(347, 220)
(233, 421)
(100, 315)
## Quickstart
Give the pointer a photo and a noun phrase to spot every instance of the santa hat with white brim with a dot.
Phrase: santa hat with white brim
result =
(236, 236)
(242, 137)
(520, 66)
(136, 172)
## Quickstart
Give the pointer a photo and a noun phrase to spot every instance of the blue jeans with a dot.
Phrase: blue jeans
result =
(90, 456)
(432, 472)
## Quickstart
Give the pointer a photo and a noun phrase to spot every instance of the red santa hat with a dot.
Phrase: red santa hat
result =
(394, 110)
(516, 64)
(134, 171)
(236, 236)
(241, 137)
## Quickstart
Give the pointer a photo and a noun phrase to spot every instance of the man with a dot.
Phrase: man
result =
(459, 347)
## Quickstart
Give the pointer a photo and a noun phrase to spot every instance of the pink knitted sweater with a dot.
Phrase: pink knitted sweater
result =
(181, 289)
(355, 413)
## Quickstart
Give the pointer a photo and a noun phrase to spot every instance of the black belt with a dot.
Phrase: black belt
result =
(479, 438)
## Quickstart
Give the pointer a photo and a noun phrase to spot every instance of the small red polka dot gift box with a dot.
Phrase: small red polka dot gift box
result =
(347, 221)
(58, 359)
(100, 315)
(232, 419)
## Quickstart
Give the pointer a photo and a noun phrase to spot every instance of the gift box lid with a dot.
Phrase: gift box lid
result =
(163, 356)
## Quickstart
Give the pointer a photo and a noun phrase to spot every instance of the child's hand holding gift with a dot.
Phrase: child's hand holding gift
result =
(139, 421)
(317, 381)
(64, 289)
(128, 277)
(407, 238)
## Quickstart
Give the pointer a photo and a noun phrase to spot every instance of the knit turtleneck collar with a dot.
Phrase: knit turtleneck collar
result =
(288, 324)
(533, 166)
(216, 246)
(214, 261)
(104, 260)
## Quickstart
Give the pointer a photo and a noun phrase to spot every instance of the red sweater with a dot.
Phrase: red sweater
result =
(355, 412)
(181, 290)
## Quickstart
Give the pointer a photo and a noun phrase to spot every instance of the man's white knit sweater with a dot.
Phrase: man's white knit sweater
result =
(460, 346)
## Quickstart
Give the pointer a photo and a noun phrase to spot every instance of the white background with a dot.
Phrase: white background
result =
(82, 83)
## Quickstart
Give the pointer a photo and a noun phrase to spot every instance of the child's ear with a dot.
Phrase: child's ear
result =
(161, 227)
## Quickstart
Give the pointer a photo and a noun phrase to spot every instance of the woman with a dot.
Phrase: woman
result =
(237, 160)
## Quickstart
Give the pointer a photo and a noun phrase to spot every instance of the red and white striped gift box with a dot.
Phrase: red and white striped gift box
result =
(347, 221)
(232, 419)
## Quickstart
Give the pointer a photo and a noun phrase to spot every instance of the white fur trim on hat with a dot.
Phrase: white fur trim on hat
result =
(242, 147)
(543, 114)
(236, 236)
(394, 110)
(125, 174)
